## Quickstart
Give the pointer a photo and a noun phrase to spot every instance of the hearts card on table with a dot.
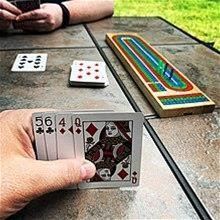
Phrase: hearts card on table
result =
(88, 73)
(112, 141)
(30, 63)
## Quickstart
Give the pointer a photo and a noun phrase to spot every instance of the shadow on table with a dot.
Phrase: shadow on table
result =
(78, 204)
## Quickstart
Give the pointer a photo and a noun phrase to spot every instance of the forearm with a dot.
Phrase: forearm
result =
(89, 10)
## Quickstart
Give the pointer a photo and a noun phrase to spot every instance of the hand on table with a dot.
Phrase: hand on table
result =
(48, 18)
(8, 13)
(24, 178)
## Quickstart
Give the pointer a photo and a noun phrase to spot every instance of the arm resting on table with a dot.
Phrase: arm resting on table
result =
(89, 10)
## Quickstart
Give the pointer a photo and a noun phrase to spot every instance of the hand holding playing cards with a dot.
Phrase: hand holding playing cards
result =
(22, 177)
(45, 19)
(8, 13)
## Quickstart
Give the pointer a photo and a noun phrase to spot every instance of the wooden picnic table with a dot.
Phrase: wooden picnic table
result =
(180, 155)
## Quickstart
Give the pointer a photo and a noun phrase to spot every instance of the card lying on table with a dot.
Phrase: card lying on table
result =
(88, 73)
(112, 141)
(30, 62)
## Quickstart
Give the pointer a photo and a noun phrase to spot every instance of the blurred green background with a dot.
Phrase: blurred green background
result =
(200, 18)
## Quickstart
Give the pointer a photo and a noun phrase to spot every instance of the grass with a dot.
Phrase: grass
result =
(200, 18)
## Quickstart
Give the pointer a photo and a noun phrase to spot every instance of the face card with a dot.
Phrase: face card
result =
(30, 63)
(27, 5)
(113, 143)
(41, 151)
(88, 73)
(65, 136)
(50, 134)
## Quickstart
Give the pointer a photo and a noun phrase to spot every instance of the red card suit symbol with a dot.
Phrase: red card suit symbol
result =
(78, 131)
(134, 173)
(122, 174)
(91, 129)
(62, 130)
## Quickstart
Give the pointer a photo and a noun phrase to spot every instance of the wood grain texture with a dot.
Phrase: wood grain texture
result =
(168, 90)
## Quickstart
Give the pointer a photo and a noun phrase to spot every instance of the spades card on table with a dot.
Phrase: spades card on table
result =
(31, 62)
(112, 141)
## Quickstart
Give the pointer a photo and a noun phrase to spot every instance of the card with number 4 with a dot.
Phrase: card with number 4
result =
(65, 136)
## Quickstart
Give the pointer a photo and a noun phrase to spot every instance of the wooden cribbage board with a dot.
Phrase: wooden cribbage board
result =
(167, 89)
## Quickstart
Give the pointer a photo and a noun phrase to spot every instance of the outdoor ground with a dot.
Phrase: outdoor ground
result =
(200, 18)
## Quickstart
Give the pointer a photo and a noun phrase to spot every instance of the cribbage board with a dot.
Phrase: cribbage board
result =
(167, 89)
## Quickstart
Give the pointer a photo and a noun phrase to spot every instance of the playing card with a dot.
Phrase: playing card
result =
(88, 73)
(30, 63)
(27, 5)
(49, 124)
(113, 143)
(65, 136)
(40, 145)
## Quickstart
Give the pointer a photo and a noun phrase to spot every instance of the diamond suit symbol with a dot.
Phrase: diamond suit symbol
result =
(134, 173)
(122, 174)
(91, 129)
(78, 131)
(62, 130)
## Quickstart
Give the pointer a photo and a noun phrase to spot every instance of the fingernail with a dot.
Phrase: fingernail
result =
(87, 170)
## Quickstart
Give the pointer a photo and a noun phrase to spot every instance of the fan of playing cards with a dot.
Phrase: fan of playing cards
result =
(112, 141)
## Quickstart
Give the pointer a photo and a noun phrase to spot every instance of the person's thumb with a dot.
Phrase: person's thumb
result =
(58, 174)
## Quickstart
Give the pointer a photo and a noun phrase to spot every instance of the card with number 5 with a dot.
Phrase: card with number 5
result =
(41, 150)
